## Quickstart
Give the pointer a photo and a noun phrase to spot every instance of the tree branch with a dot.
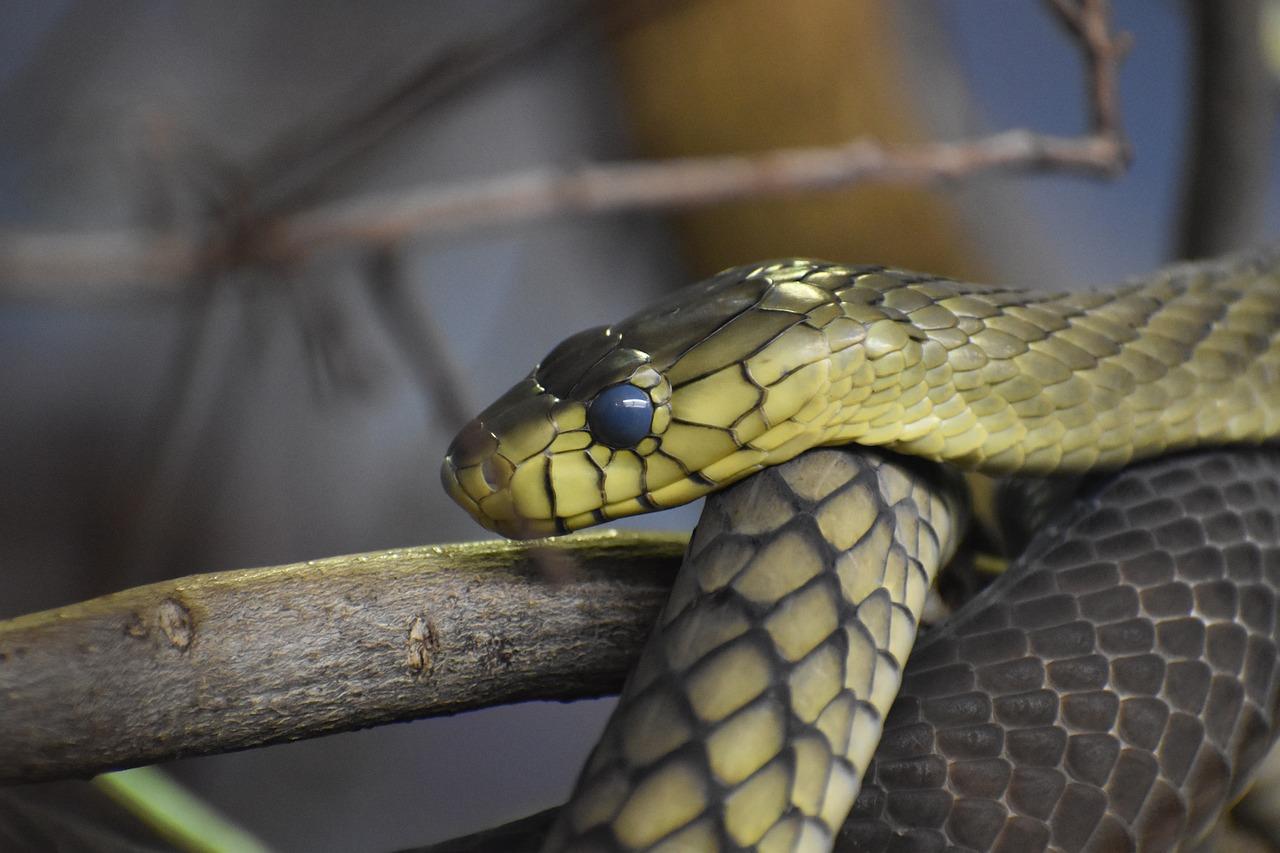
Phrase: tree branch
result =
(29, 263)
(1230, 127)
(680, 183)
(230, 660)
(1088, 23)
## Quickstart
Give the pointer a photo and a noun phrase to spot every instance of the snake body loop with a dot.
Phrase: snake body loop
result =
(756, 705)
(749, 370)
(1112, 691)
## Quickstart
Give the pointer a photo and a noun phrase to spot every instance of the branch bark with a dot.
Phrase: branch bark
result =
(231, 660)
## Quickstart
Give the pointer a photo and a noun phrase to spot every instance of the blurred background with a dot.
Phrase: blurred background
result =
(161, 419)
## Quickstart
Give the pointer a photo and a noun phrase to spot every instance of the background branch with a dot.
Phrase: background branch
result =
(1230, 127)
(305, 160)
(680, 183)
(224, 661)
(30, 263)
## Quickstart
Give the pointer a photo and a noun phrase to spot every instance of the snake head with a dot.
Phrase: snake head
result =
(706, 387)
(547, 456)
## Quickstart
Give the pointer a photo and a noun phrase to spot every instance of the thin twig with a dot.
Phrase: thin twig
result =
(89, 264)
(174, 426)
(231, 660)
(29, 264)
(417, 336)
(672, 184)
(1087, 21)
(296, 169)
(681, 183)
(323, 147)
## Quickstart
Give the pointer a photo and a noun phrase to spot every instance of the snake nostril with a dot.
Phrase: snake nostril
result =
(473, 467)
(496, 472)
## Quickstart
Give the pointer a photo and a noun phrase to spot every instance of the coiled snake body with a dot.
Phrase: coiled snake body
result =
(756, 707)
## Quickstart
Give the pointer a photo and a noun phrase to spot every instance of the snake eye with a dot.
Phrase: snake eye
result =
(620, 415)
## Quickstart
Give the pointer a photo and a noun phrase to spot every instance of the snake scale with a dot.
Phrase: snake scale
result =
(753, 714)
(1112, 690)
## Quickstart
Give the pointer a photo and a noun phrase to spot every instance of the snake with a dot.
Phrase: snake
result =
(753, 717)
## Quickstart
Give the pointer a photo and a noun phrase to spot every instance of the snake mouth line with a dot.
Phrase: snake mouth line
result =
(528, 527)
(517, 527)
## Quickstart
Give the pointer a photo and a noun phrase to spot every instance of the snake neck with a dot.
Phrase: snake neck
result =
(1007, 380)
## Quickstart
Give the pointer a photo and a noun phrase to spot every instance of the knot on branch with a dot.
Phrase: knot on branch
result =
(245, 240)
(424, 643)
(172, 618)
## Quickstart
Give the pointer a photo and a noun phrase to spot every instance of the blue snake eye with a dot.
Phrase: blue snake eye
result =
(620, 415)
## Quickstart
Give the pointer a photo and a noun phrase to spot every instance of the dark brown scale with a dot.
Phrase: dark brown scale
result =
(1161, 667)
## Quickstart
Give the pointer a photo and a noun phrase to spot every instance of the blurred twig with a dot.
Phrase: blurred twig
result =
(416, 335)
(175, 814)
(213, 663)
(31, 263)
(672, 184)
(1230, 127)
(1089, 23)
(321, 148)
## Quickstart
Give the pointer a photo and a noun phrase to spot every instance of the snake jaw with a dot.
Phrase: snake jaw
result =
(452, 487)
(481, 478)
(493, 510)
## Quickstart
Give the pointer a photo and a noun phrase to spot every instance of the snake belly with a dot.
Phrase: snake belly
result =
(750, 369)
